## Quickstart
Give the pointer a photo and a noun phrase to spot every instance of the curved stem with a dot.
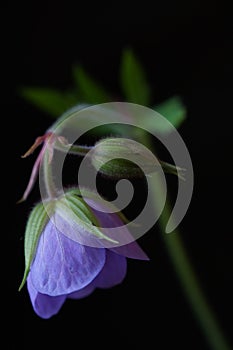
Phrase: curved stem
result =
(187, 277)
(47, 152)
(48, 176)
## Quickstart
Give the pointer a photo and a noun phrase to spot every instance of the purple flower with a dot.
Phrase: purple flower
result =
(63, 268)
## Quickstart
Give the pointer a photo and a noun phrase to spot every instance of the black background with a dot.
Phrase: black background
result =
(186, 50)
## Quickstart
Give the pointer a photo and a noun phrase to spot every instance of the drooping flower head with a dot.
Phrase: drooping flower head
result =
(59, 267)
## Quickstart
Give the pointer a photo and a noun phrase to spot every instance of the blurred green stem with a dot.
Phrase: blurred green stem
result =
(186, 274)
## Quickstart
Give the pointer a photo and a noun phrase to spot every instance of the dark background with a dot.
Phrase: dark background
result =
(186, 50)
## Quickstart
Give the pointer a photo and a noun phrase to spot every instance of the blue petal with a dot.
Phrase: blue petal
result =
(82, 293)
(114, 271)
(62, 266)
(45, 306)
(127, 246)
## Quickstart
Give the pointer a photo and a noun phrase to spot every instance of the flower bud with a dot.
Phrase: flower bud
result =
(121, 157)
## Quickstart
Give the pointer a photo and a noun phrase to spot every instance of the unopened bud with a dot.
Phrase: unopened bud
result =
(121, 157)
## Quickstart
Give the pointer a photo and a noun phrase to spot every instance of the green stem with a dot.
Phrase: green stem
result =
(48, 176)
(73, 149)
(187, 277)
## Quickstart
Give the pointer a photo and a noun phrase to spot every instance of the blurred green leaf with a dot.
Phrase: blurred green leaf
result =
(133, 80)
(90, 91)
(49, 100)
(173, 110)
(70, 98)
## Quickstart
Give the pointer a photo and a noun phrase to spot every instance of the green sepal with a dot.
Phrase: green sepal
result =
(120, 168)
(88, 194)
(74, 208)
(173, 169)
(79, 204)
(37, 221)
